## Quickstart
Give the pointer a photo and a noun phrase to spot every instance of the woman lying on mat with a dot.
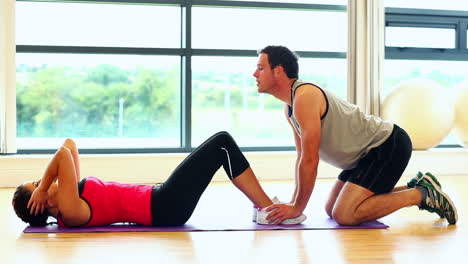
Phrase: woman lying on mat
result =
(90, 202)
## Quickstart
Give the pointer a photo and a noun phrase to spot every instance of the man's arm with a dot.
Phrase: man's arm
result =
(307, 110)
(297, 141)
(308, 106)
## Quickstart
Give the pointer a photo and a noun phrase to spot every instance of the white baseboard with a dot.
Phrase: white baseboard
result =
(152, 168)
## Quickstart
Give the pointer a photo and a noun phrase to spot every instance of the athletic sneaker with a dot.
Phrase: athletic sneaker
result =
(437, 183)
(413, 181)
(437, 201)
(262, 215)
(275, 200)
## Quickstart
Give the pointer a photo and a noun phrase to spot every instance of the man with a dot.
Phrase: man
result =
(372, 153)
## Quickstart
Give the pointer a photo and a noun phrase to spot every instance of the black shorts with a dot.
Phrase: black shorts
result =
(381, 168)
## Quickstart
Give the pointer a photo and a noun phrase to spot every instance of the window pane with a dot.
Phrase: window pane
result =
(254, 29)
(456, 5)
(77, 24)
(448, 74)
(225, 97)
(105, 101)
(420, 37)
(330, 74)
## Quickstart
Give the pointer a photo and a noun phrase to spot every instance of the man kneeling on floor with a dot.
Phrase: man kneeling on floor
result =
(373, 153)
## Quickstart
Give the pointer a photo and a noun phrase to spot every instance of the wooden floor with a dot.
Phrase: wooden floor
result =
(413, 237)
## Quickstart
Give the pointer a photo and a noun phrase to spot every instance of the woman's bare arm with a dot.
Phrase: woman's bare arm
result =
(70, 144)
(39, 197)
(73, 209)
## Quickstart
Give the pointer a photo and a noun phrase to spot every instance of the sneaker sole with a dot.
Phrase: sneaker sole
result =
(445, 196)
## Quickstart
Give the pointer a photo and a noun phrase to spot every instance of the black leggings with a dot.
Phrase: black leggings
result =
(173, 202)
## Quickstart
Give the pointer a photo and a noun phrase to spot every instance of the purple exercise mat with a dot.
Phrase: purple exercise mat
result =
(309, 224)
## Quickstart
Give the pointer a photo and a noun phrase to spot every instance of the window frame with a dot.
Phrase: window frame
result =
(421, 18)
(185, 52)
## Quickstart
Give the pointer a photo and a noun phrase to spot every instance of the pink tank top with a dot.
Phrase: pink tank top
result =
(112, 202)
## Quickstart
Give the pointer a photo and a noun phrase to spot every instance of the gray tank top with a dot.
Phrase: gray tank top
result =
(347, 133)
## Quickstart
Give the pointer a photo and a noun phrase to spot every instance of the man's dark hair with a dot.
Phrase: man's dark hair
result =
(20, 204)
(280, 55)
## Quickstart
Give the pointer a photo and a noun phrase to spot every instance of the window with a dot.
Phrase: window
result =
(237, 28)
(455, 5)
(420, 37)
(225, 97)
(425, 43)
(163, 76)
(467, 41)
(81, 24)
(327, 73)
(107, 101)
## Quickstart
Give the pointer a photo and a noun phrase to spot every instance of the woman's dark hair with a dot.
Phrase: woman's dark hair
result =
(20, 204)
(280, 55)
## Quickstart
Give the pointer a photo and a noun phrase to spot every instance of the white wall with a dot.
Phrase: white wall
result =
(152, 168)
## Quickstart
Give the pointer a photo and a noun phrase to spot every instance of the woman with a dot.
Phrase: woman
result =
(90, 202)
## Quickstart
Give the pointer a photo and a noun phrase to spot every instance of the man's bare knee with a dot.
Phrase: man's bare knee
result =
(329, 210)
(344, 218)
